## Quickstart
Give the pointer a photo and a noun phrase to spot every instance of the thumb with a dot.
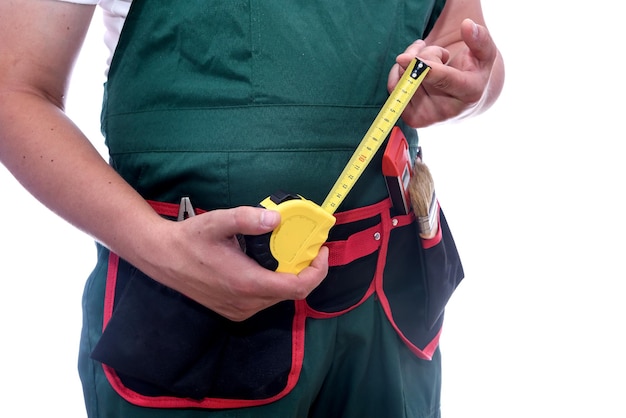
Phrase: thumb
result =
(245, 220)
(478, 40)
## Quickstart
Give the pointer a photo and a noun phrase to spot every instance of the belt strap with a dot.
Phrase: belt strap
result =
(359, 244)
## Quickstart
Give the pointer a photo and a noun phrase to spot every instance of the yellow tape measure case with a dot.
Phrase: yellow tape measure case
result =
(296, 241)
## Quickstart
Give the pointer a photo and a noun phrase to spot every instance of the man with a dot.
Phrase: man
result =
(226, 103)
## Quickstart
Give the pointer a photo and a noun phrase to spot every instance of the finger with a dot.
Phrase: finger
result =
(478, 40)
(434, 55)
(268, 288)
(394, 76)
(287, 286)
(423, 52)
(309, 278)
(449, 81)
(428, 54)
(411, 52)
(245, 220)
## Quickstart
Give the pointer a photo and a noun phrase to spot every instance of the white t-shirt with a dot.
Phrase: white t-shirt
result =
(114, 14)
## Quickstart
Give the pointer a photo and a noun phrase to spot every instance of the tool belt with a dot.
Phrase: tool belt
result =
(161, 349)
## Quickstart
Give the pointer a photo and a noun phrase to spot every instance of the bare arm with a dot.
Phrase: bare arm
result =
(39, 42)
(467, 69)
(50, 156)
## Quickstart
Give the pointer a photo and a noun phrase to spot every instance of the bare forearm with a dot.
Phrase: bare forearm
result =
(49, 155)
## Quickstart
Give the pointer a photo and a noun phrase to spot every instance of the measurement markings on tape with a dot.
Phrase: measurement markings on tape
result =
(305, 225)
(377, 133)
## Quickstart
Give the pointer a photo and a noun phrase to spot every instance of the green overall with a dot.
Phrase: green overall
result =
(228, 102)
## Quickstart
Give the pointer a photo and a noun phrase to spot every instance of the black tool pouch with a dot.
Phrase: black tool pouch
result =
(443, 270)
(159, 347)
(436, 272)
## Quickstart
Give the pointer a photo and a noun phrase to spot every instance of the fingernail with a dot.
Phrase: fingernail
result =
(474, 30)
(269, 218)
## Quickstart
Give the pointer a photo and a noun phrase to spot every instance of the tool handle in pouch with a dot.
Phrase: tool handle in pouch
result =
(296, 241)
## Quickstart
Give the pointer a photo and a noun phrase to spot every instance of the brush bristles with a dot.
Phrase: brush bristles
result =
(421, 188)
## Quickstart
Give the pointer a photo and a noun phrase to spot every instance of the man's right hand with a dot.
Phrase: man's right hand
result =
(201, 258)
(52, 158)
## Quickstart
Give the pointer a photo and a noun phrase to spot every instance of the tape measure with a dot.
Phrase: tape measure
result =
(377, 133)
(304, 225)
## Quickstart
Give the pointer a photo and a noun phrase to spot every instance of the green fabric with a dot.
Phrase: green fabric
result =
(242, 98)
(227, 102)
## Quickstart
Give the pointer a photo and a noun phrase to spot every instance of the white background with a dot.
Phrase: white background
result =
(533, 192)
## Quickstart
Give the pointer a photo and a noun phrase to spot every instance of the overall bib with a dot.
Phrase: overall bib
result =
(228, 102)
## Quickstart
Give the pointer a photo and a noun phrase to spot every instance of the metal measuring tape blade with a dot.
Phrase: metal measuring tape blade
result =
(304, 225)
